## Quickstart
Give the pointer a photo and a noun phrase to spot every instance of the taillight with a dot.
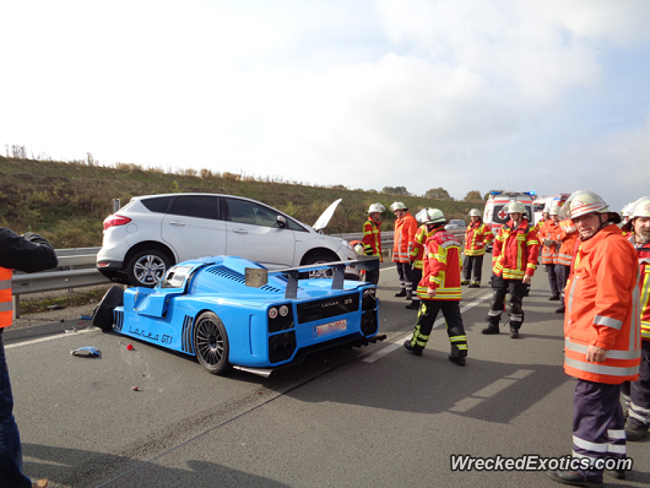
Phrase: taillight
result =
(113, 220)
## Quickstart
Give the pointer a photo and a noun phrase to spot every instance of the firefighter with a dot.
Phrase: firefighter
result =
(637, 394)
(602, 337)
(548, 237)
(477, 236)
(405, 227)
(372, 238)
(416, 256)
(567, 236)
(439, 289)
(514, 260)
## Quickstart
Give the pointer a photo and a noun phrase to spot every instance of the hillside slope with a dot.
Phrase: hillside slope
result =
(67, 202)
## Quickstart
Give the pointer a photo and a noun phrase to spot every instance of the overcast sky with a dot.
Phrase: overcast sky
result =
(544, 95)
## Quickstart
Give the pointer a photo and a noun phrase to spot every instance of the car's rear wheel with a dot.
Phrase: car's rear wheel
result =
(319, 258)
(211, 343)
(147, 268)
(103, 315)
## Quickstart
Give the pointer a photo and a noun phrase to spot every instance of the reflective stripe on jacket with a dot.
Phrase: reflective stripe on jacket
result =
(568, 234)
(515, 251)
(6, 304)
(404, 233)
(418, 245)
(602, 309)
(477, 236)
(442, 267)
(372, 238)
(643, 252)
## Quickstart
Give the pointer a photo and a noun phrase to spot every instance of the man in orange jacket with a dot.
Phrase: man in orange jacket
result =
(637, 394)
(602, 344)
(477, 236)
(28, 253)
(405, 227)
(548, 237)
(567, 236)
(439, 289)
(514, 260)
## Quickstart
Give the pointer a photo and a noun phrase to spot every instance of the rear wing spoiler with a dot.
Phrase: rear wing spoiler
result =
(257, 277)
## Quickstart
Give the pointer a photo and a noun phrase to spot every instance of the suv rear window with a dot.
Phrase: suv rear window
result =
(157, 205)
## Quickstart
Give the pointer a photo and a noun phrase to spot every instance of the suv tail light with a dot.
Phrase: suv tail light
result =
(113, 220)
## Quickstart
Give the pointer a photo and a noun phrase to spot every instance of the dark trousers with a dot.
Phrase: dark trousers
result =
(472, 265)
(637, 393)
(500, 288)
(598, 424)
(562, 273)
(416, 276)
(404, 273)
(552, 279)
(11, 458)
(455, 328)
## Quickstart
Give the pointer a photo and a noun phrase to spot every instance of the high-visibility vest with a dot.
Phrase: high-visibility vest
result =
(602, 309)
(372, 239)
(442, 267)
(405, 229)
(477, 236)
(515, 251)
(6, 304)
(549, 230)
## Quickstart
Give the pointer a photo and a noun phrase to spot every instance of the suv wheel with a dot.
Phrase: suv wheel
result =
(147, 268)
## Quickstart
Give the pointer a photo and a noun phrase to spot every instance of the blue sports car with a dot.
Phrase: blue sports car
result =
(228, 311)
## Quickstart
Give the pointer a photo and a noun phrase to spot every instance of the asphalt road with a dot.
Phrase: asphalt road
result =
(372, 417)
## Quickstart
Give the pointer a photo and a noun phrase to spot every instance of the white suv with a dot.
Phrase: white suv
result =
(151, 233)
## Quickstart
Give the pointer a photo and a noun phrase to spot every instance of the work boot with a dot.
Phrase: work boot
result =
(464, 283)
(401, 293)
(417, 350)
(490, 329)
(40, 484)
(414, 305)
(514, 333)
(474, 285)
(554, 298)
(635, 431)
(460, 361)
(560, 310)
(572, 478)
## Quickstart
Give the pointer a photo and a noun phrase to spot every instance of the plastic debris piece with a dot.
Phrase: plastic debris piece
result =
(88, 352)
(129, 347)
(135, 388)
(55, 307)
(86, 317)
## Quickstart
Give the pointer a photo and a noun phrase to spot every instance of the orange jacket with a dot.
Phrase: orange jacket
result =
(515, 251)
(602, 309)
(372, 238)
(477, 236)
(6, 304)
(549, 230)
(643, 253)
(404, 233)
(418, 245)
(442, 267)
(568, 234)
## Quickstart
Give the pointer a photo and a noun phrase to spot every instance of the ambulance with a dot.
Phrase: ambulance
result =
(495, 213)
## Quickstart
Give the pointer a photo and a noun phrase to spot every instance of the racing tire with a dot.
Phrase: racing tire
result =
(148, 268)
(103, 315)
(211, 343)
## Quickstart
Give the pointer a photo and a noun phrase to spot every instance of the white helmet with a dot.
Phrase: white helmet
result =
(516, 207)
(475, 212)
(554, 210)
(434, 216)
(584, 202)
(641, 208)
(376, 207)
(397, 206)
(626, 211)
(422, 216)
(547, 207)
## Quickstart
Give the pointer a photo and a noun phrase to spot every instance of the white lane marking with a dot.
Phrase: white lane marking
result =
(46, 339)
(397, 343)
(490, 390)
